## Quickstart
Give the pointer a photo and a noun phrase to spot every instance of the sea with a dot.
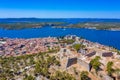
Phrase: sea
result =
(105, 37)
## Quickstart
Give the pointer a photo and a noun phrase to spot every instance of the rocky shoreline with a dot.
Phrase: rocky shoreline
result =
(111, 29)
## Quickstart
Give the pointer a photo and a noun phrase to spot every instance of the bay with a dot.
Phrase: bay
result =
(105, 37)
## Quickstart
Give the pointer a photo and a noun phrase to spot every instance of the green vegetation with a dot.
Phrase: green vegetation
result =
(68, 41)
(95, 25)
(116, 50)
(23, 25)
(61, 76)
(53, 50)
(110, 70)
(84, 75)
(30, 77)
(77, 47)
(42, 65)
(95, 63)
(36, 64)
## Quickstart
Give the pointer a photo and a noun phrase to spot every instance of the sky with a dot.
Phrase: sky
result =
(60, 8)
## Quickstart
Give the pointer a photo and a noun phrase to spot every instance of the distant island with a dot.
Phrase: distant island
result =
(22, 23)
(94, 25)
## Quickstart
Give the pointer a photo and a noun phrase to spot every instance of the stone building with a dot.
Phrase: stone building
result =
(84, 64)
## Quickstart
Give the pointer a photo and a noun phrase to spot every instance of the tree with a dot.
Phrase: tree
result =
(69, 41)
(118, 52)
(61, 76)
(84, 76)
(31, 62)
(45, 72)
(30, 77)
(3, 79)
(78, 46)
(95, 63)
(37, 68)
(109, 68)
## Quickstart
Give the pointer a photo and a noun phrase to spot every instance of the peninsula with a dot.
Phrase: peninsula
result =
(22, 23)
(57, 58)
(94, 25)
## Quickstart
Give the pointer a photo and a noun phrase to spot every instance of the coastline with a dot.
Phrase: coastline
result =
(24, 39)
(112, 29)
(107, 37)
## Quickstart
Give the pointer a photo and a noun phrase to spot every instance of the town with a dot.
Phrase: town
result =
(26, 46)
(57, 58)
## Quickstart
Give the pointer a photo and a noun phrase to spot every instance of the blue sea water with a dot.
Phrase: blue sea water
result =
(110, 38)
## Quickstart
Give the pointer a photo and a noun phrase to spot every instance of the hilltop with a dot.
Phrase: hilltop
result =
(62, 58)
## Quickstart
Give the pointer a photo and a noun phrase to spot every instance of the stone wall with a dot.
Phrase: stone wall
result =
(71, 61)
(84, 64)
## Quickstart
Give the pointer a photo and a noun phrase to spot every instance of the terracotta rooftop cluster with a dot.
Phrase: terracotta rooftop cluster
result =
(26, 46)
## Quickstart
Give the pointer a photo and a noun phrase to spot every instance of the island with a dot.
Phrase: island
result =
(94, 25)
(22, 23)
